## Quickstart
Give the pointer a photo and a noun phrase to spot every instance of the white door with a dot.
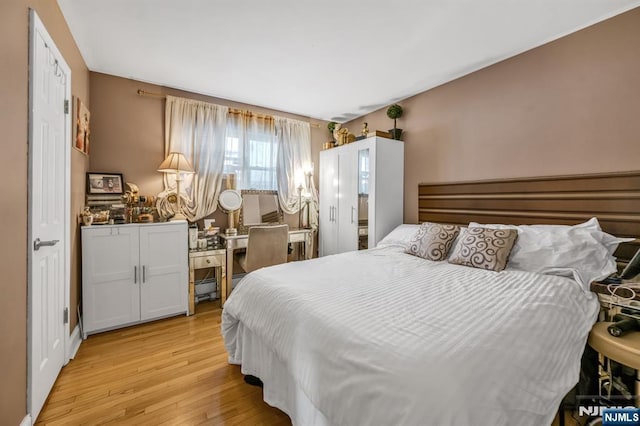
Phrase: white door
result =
(164, 287)
(348, 200)
(49, 140)
(110, 276)
(328, 208)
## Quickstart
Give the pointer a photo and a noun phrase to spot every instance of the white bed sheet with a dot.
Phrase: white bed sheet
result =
(379, 337)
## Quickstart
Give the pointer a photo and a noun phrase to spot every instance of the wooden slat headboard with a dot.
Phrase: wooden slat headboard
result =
(614, 198)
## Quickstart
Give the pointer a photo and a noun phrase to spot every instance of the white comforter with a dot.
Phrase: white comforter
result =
(379, 337)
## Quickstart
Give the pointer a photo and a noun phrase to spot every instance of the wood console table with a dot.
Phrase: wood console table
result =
(234, 242)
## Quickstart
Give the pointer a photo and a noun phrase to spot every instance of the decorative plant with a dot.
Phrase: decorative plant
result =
(331, 126)
(394, 112)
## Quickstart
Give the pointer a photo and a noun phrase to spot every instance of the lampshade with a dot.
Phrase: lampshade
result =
(175, 163)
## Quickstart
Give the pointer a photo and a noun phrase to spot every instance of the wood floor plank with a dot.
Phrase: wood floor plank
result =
(171, 372)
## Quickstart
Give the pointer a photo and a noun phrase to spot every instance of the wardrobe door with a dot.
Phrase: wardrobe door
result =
(363, 198)
(348, 199)
(328, 220)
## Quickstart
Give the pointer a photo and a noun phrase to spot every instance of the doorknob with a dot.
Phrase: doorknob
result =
(37, 243)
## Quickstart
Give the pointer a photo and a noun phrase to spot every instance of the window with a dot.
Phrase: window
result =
(253, 162)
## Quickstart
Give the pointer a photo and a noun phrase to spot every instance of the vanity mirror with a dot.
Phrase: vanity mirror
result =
(230, 200)
(259, 207)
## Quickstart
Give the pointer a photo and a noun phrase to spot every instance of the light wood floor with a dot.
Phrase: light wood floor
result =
(172, 372)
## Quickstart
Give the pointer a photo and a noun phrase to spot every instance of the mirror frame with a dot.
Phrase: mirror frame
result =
(242, 228)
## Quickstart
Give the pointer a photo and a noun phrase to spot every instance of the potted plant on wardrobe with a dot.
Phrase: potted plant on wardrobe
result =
(394, 112)
(331, 126)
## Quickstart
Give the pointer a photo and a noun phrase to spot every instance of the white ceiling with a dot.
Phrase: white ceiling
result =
(333, 60)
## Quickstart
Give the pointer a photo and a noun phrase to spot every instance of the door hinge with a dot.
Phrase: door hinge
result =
(66, 316)
(66, 106)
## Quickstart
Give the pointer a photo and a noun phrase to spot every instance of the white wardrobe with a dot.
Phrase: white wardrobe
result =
(133, 273)
(361, 194)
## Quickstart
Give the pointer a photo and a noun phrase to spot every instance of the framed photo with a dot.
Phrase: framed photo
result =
(82, 126)
(104, 183)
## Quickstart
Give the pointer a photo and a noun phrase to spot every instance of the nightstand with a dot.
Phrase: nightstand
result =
(624, 350)
(201, 259)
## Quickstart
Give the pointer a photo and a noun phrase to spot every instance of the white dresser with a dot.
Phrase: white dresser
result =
(133, 273)
(361, 194)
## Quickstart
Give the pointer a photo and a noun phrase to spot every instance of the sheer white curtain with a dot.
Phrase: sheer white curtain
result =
(198, 130)
(293, 161)
(251, 150)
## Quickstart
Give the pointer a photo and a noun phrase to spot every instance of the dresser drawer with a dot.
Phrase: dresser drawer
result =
(205, 262)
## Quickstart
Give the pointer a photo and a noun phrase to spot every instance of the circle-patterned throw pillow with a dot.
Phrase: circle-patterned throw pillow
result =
(484, 248)
(433, 241)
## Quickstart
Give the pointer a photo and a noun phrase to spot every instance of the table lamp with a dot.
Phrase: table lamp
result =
(176, 163)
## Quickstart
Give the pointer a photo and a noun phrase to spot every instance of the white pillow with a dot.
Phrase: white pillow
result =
(582, 251)
(400, 236)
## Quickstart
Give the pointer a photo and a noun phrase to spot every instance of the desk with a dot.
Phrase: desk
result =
(212, 258)
(624, 349)
(235, 242)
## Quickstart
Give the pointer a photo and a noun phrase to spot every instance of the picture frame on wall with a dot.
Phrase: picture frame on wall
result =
(81, 127)
(105, 183)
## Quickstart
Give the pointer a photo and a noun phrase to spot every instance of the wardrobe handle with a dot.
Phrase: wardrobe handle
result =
(144, 274)
(37, 243)
(352, 210)
(135, 275)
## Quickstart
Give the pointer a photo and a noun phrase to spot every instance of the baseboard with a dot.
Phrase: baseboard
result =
(26, 421)
(74, 342)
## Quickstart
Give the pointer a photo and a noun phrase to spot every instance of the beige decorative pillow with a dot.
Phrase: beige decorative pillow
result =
(433, 241)
(484, 248)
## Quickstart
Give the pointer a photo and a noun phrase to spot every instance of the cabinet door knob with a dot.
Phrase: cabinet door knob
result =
(208, 260)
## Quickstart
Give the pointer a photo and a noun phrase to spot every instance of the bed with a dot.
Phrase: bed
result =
(382, 337)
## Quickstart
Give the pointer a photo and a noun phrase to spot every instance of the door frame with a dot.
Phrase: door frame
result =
(36, 25)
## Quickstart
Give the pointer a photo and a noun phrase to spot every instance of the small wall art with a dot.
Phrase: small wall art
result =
(82, 127)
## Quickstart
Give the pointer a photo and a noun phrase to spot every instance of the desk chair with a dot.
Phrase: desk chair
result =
(267, 245)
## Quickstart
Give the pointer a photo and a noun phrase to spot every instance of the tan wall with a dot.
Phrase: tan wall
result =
(14, 36)
(571, 106)
(568, 107)
(128, 130)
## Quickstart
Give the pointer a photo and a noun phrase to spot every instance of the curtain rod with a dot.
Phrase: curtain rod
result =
(145, 93)
(231, 110)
